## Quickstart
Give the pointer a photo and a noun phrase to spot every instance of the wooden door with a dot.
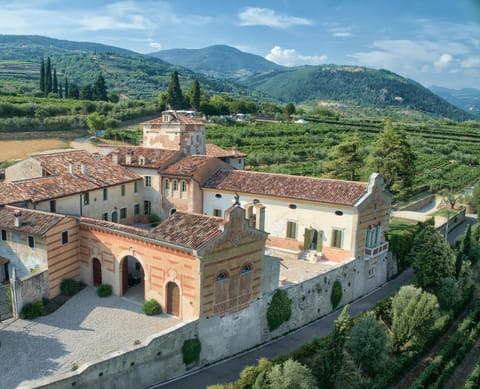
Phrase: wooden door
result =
(173, 299)
(124, 275)
(97, 272)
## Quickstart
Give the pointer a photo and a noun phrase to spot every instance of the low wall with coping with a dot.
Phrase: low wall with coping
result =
(28, 289)
(160, 357)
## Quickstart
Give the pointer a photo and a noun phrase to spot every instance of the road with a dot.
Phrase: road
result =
(229, 370)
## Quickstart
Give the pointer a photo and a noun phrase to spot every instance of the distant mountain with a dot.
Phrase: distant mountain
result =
(353, 85)
(467, 99)
(219, 61)
(128, 73)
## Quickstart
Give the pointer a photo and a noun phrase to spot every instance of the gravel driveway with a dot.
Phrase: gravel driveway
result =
(85, 328)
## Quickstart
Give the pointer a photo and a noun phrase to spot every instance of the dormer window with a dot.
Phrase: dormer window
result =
(141, 160)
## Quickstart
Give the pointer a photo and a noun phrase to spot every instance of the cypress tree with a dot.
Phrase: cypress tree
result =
(195, 95)
(42, 76)
(60, 94)
(66, 88)
(174, 93)
(55, 82)
(100, 89)
(48, 77)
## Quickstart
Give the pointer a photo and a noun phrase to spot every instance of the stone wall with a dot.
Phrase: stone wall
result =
(419, 204)
(160, 358)
(28, 289)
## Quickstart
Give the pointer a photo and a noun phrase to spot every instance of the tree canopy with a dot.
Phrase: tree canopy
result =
(345, 159)
(391, 155)
(174, 93)
(433, 258)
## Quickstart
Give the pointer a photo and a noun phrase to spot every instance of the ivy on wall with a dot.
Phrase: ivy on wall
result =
(191, 350)
(336, 296)
(279, 310)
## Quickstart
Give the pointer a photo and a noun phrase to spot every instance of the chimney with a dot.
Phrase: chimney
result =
(83, 168)
(115, 157)
(70, 168)
(128, 158)
(18, 218)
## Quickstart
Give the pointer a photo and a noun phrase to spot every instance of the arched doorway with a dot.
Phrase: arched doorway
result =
(173, 299)
(132, 279)
(96, 271)
(114, 217)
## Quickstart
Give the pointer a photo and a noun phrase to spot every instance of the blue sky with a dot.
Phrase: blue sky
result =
(435, 42)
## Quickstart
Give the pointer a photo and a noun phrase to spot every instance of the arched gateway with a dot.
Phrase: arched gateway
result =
(132, 278)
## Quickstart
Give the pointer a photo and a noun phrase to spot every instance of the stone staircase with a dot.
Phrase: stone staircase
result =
(310, 256)
(5, 308)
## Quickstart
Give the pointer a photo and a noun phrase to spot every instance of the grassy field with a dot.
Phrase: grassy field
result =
(18, 149)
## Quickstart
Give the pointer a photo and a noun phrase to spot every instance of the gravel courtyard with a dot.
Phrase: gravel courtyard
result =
(85, 328)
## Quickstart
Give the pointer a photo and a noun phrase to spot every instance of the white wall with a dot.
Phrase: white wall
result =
(153, 193)
(277, 213)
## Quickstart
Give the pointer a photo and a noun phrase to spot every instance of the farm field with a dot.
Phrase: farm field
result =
(19, 149)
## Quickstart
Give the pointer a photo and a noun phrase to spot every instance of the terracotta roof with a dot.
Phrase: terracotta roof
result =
(282, 185)
(98, 171)
(188, 230)
(186, 166)
(32, 222)
(154, 158)
(10, 193)
(215, 151)
(177, 118)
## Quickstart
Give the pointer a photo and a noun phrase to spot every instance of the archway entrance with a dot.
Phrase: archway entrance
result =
(173, 299)
(96, 271)
(133, 279)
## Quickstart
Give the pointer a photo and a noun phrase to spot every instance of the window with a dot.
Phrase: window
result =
(221, 276)
(148, 181)
(105, 194)
(246, 269)
(291, 230)
(141, 159)
(64, 237)
(374, 236)
(183, 187)
(114, 217)
(147, 207)
(105, 216)
(122, 190)
(123, 213)
(337, 236)
(217, 212)
(218, 196)
(135, 187)
(371, 268)
(175, 185)
(31, 241)
(166, 187)
(136, 209)
(53, 206)
(4, 235)
(86, 198)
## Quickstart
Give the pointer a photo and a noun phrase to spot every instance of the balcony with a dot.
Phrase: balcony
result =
(375, 251)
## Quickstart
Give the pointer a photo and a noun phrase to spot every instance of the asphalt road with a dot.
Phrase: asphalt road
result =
(229, 370)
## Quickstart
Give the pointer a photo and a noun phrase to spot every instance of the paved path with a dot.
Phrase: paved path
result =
(84, 329)
(230, 369)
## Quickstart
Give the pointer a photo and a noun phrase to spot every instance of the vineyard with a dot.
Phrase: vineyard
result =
(448, 155)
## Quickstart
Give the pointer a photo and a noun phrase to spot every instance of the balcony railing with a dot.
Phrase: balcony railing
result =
(371, 252)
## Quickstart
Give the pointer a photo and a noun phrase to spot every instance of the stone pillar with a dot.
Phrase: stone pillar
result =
(16, 288)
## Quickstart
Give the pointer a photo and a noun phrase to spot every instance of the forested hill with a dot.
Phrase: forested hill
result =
(467, 98)
(127, 73)
(353, 85)
(219, 61)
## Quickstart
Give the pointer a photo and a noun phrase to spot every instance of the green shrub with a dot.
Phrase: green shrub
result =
(191, 350)
(336, 296)
(151, 307)
(154, 219)
(32, 310)
(71, 287)
(104, 290)
(279, 310)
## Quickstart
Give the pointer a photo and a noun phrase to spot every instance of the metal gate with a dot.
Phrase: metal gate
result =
(5, 302)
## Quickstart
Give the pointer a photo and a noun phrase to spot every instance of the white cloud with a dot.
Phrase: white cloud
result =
(443, 62)
(253, 16)
(472, 62)
(290, 57)
(344, 34)
(155, 45)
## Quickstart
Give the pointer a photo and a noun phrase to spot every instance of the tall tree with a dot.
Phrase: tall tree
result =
(86, 93)
(66, 88)
(195, 95)
(48, 76)
(100, 89)
(95, 122)
(290, 375)
(60, 92)
(73, 91)
(289, 110)
(174, 93)
(413, 314)
(392, 156)
(345, 159)
(433, 258)
(55, 81)
(42, 76)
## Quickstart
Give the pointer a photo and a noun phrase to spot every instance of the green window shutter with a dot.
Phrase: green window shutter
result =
(319, 240)
(307, 238)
